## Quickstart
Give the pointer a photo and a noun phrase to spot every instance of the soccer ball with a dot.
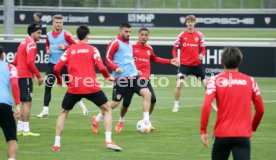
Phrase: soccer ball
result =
(143, 126)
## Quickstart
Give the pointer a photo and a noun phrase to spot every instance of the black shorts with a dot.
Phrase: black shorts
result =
(50, 75)
(26, 89)
(197, 71)
(129, 94)
(70, 100)
(7, 122)
(239, 146)
(121, 86)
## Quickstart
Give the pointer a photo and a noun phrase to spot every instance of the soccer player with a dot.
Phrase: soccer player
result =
(119, 57)
(192, 50)
(234, 92)
(9, 79)
(143, 54)
(37, 19)
(80, 59)
(25, 64)
(57, 41)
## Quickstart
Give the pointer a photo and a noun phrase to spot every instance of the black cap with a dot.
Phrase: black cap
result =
(33, 27)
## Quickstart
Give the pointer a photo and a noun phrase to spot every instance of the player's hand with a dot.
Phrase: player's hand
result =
(118, 70)
(61, 46)
(40, 81)
(48, 52)
(59, 81)
(175, 62)
(200, 57)
(110, 79)
(17, 111)
(140, 73)
(205, 140)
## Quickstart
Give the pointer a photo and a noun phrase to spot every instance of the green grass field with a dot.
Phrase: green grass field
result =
(176, 137)
(169, 32)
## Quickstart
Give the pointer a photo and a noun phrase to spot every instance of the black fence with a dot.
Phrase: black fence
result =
(206, 20)
(258, 61)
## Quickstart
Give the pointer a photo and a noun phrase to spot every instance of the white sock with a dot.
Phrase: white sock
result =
(108, 137)
(57, 141)
(122, 119)
(19, 126)
(99, 117)
(46, 109)
(176, 104)
(82, 105)
(26, 127)
(146, 116)
(11, 159)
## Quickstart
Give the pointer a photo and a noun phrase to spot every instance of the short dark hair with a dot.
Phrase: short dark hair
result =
(33, 27)
(38, 14)
(143, 29)
(82, 31)
(231, 57)
(1, 50)
(190, 17)
(127, 25)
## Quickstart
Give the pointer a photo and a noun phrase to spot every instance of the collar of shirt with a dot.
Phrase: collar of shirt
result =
(122, 39)
(31, 38)
(55, 34)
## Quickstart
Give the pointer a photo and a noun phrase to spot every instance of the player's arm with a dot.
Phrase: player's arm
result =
(160, 60)
(59, 66)
(206, 110)
(176, 45)
(112, 48)
(31, 54)
(202, 46)
(99, 63)
(69, 39)
(14, 84)
(47, 46)
(258, 104)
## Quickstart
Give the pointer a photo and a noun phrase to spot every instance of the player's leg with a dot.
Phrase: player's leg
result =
(241, 149)
(49, 82)
(100, 100)
(140, 87)
(199, 72)
(26, 90)
(119, 89)
(183, 71)
(68, 103)
(66, 77)
(221, 148)
(153, 101)
(126, 102)
(7, 123)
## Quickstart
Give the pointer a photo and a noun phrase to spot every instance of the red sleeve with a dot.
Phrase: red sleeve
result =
(112, 48)
(156, 59)
(69, 39)
(47, 43)
(202, 44)
(99, 63)
(15, 60)
(207, 105)
(258, 104)
(177, 45)
(14, 84)
(61, 63)
(31, 54)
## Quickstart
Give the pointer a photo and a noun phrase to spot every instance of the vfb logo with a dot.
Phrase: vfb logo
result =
(141, 17)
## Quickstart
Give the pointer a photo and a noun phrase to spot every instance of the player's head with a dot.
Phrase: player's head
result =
(34, 30)
(231, 58)
(1, 53)
(37, 16)
(190, 22)
(143, 35)
(57, 22)
(83, 32)
(125, 30)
